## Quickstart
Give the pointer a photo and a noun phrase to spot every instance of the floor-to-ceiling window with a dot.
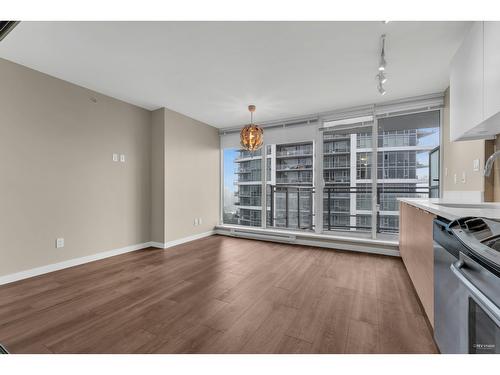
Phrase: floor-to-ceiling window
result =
(242, 187)
(404, 144)
(347, 197)
(290, 185)
(363, 164)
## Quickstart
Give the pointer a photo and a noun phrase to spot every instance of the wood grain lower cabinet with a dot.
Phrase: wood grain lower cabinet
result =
(417, 251)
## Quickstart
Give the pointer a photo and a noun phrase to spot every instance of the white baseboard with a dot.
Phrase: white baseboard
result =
(159, 245)
(188, 239)
(6, 279)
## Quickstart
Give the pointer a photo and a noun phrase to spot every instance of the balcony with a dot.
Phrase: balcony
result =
(336, 216)
(294, 167)
(294, 180)
(293, 153)
(291, 207)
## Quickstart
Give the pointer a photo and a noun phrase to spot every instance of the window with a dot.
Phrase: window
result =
(290, 191)
(403, 172)
(346, 196)
(242, 187)
(363, 175)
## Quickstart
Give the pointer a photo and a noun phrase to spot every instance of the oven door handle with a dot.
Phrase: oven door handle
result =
(485, 301)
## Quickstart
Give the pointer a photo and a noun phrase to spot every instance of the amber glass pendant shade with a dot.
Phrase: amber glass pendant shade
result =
(251, 136)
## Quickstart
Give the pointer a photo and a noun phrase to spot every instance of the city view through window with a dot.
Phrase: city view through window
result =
(402, 170)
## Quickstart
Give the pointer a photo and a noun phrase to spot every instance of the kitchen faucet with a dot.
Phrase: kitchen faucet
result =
(489, 163)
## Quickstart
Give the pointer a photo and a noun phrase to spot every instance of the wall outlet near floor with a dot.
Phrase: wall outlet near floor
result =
(122, 158)
(455, 178)
(199, 221)
(195, 221)
(463, 177)
(115, 157)
(59, 243)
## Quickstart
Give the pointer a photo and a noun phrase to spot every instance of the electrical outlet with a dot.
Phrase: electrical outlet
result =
(463, 177)
(122, 158)
(59, 243)
(195, 221)
(455, 178)
(475, 165)
(199, 221)
(115, 157)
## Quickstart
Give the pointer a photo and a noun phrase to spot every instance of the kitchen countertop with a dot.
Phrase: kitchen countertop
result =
(491, 209)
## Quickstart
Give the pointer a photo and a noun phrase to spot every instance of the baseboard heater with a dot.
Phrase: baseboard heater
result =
(287, 238)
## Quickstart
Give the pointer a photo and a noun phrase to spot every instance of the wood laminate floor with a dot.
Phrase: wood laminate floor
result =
(219, 295)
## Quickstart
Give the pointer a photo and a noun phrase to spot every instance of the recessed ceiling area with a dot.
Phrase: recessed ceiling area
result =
(211, 71)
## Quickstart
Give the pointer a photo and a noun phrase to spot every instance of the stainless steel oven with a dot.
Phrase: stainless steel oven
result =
(479, 297)
(467, 286)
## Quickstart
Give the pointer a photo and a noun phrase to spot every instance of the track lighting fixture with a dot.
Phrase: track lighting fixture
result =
(381, 89)
(382, 63)
(381, 78)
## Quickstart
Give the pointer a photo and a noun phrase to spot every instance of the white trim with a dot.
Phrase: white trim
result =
(159, 245)
(10, 278)
(6, 279)
(188, 239)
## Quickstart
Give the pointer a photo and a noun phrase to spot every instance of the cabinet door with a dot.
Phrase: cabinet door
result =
(491, 68)
(466, 84)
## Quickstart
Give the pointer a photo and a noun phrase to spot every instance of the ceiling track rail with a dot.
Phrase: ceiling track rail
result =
(6, 27)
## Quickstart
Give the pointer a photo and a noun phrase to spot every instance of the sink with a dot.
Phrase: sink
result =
(470, 205)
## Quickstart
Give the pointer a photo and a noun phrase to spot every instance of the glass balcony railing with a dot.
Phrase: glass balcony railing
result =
(338, 214)
(302, 152)
(290, 207)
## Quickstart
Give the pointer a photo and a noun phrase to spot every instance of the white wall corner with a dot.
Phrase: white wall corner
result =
(188, 239)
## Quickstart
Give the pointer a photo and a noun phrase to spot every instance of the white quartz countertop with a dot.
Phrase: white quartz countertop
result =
(489, 210)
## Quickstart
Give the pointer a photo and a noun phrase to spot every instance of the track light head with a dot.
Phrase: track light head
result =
(382, 64)
(381, 89)
(381, 77)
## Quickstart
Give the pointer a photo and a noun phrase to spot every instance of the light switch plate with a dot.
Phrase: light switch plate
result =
(455, 178)
(463, 177)
(475, 165)
(59, 243)
(122, 158)
(115, 157)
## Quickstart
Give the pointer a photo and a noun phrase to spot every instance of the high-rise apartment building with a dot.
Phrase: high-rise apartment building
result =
(349, 191)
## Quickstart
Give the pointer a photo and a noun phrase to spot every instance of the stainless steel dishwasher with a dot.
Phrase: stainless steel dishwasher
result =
(467, 285)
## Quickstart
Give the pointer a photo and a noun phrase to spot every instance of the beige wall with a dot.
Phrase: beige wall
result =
(458, 157)
(57, 177)
(158, 230)
(192, 176)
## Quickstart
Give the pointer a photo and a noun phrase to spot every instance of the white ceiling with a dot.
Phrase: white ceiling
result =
(211, 71)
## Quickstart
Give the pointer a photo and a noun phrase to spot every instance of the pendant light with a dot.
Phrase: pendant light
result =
(251, 136)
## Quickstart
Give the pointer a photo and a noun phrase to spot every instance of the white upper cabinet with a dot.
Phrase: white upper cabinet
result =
(466, 83)
(491, 69)
(475, 84)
